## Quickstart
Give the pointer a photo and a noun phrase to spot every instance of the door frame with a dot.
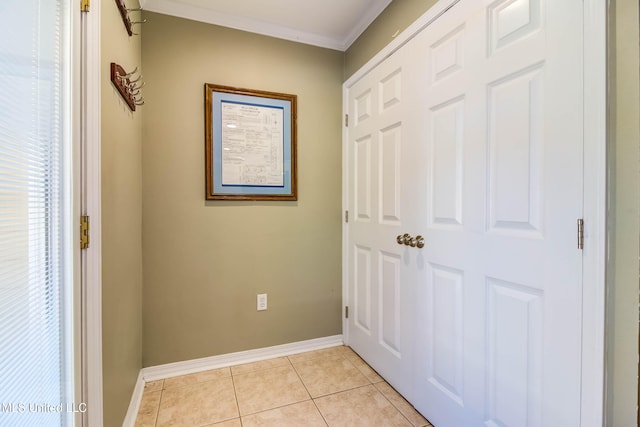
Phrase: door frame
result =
(90, 177)
(594, 192)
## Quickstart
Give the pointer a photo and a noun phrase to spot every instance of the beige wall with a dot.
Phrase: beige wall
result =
(121, 223)
(394, 19)
(204, 262)
(624, 218)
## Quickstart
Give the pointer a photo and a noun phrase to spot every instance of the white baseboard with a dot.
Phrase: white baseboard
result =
(134, 405)
(169, 370)
(160, 372)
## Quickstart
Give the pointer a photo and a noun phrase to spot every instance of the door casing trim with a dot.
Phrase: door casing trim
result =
(91, 206)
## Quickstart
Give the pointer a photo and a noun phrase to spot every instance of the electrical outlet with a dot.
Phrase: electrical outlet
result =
(262, 302)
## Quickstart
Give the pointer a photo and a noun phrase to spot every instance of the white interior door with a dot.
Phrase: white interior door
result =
(490, 173)
(500, 323)
(381, 272)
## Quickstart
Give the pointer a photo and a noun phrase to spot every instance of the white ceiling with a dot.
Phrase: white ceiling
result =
(333, 24)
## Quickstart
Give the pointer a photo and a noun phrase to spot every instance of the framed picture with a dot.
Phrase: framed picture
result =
(250, 144)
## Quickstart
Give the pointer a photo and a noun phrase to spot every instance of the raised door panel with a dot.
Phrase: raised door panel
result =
(362, 307)
(514, 355)
(390, 177)
(515, 171)
(446, 163)
(445, 336)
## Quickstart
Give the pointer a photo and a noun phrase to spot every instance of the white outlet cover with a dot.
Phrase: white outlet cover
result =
(262, 302)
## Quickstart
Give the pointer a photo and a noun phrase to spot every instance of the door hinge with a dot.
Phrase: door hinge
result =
(84, 5)
(580, 233)
(346, 311)
(84, 232)
(346, 120)
(346, 216)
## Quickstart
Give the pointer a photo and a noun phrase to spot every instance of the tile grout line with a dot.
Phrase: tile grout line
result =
(389, 400)
(155, 422)
(290, 365)
(320, 412)
(392, 404)
(313, 400)
(282, 406)
(235, 395)
(335, 392)
(398, 409)
(300, 378)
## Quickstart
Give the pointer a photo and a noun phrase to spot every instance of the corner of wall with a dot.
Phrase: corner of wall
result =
(121, 216)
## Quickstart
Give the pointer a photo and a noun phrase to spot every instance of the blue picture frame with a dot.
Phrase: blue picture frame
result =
(250, 144)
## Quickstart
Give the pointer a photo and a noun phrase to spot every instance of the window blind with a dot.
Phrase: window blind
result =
(36, 382)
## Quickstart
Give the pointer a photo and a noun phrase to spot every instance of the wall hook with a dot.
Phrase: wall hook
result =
(129, 89)
(124, 14)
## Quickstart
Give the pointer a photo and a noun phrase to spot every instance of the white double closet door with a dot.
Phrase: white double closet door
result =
(470, 135)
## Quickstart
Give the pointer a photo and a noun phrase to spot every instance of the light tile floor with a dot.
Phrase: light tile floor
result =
(331, 387)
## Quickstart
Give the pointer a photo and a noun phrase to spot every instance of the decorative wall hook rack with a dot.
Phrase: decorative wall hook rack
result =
(124, 13)
(128, 87)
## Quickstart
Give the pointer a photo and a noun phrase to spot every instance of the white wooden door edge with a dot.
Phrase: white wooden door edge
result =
(595, 170)
(92, 257)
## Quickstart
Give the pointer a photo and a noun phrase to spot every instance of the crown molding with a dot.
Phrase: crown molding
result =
(202, 14)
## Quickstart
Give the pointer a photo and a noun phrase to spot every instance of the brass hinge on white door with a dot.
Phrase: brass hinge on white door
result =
(346, 216)
(346, 120)
(580, 233)
(346, 311)
(84, 232)
(84, 5)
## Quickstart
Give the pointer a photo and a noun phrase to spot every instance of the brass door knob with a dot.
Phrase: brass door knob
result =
(407, 240)
(403, 239)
